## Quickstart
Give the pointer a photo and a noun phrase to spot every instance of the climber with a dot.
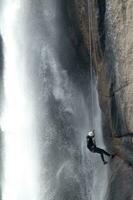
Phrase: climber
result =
(91, 145)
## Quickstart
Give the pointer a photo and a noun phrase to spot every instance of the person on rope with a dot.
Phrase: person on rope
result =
(91, 145)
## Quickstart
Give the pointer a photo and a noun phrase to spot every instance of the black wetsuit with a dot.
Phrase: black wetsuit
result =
(93, 148)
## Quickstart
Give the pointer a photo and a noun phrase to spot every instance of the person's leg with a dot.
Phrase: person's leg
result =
(102, 157)
(102, 153)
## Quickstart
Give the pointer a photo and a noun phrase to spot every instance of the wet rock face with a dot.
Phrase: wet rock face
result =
(121, 182)
(119, 56)
(114, 25)
(119, 59)
(119, 24)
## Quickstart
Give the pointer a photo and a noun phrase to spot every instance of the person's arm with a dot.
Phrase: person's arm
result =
(94, 141)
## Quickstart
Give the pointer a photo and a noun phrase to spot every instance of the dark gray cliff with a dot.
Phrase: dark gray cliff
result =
(118, 52)
(106, 27)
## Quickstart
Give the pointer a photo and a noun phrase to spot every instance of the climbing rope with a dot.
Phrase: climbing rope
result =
(91, 62)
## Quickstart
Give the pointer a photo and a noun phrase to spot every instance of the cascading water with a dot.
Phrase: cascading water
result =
(46, 110)
(20, 162)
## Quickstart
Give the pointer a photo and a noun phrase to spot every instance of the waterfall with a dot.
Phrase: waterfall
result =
(20, 162)
(46, 114)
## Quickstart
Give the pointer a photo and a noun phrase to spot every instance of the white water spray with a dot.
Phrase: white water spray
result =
(95, 173)
(100, 182)
(20, 158)
(21, 179)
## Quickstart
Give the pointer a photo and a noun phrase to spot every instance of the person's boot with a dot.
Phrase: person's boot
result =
(113, 155)
(105, 162)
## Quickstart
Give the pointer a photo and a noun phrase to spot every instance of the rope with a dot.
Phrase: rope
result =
(91, 62)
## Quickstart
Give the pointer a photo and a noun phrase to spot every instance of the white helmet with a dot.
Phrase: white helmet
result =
(91, 133)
